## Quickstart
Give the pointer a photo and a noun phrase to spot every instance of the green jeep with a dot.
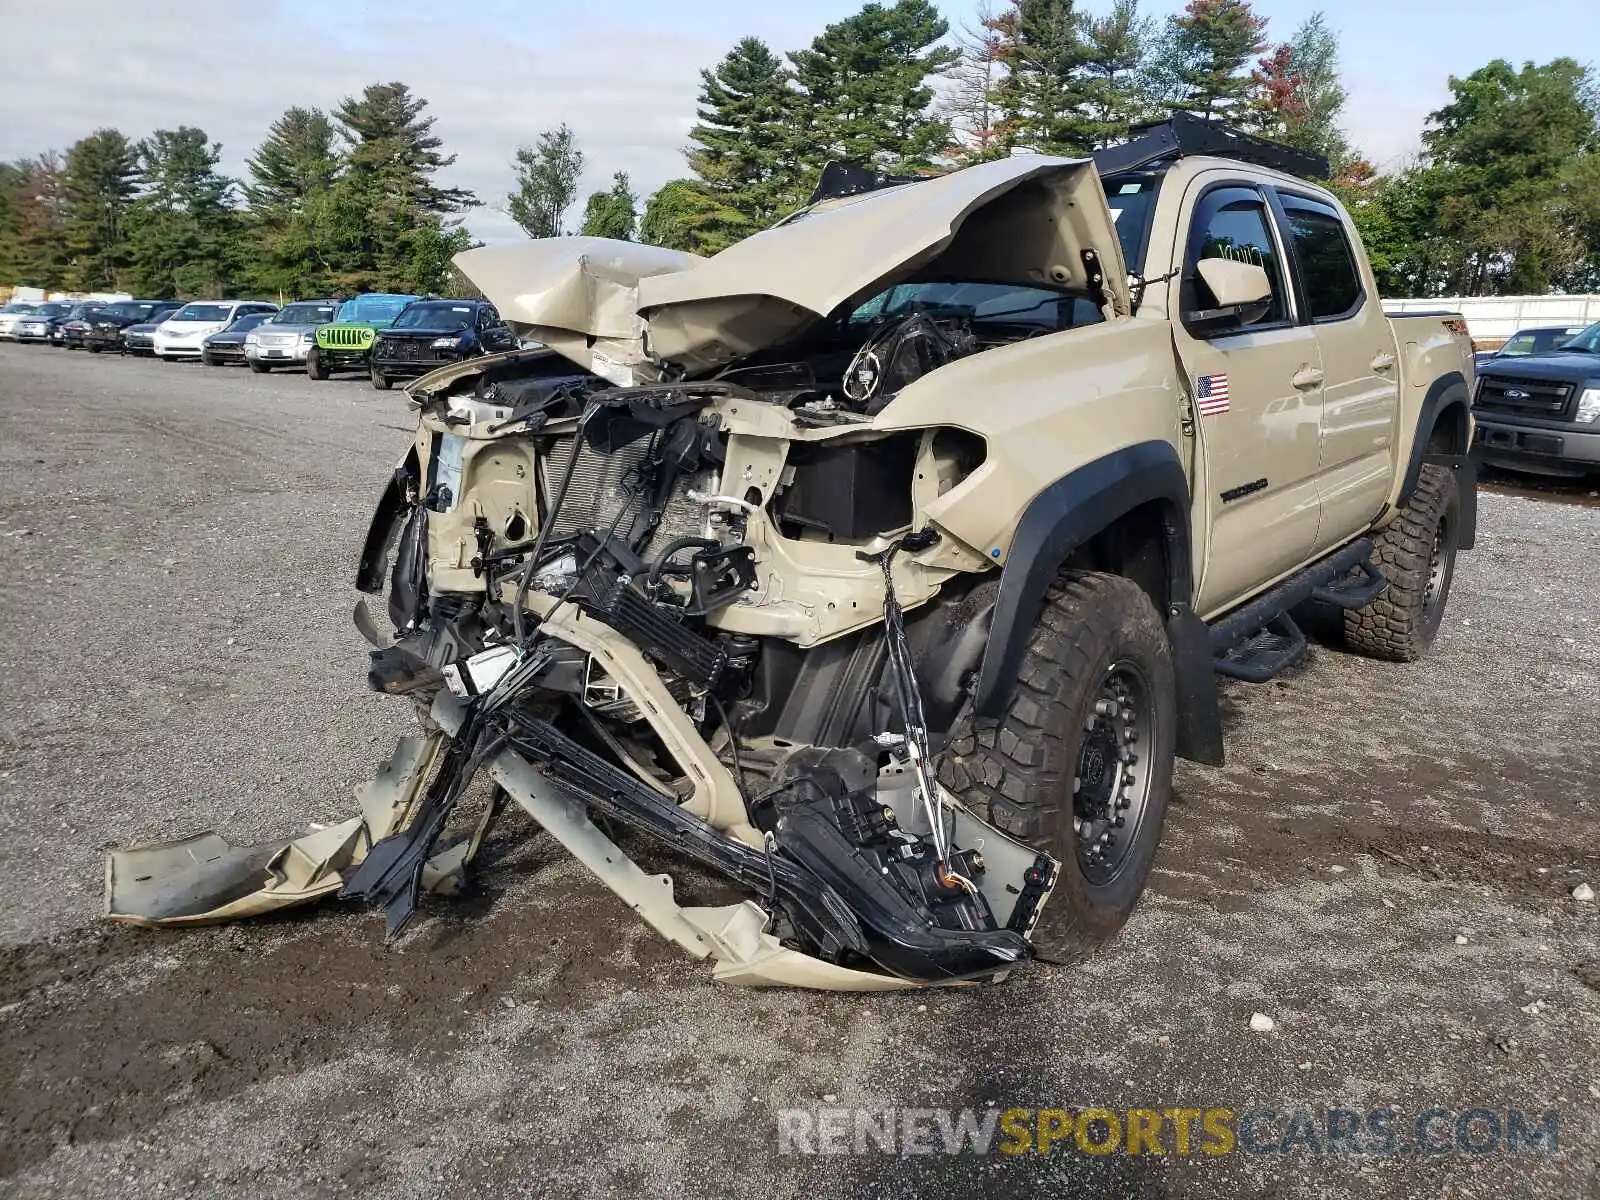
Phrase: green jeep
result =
(346, 344)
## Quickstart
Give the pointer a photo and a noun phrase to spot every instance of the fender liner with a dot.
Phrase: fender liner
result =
(1064, 517)
(386, 518)
(1446, 392)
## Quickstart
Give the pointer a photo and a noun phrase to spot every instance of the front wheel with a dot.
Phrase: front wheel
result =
(315, 367)
(259, 368)
(1417, 554)
(1080, 764)
(93, 349)
(380, 381)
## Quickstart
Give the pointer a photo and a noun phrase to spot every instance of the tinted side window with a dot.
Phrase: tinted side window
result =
(1233, 223)
(1327, 264)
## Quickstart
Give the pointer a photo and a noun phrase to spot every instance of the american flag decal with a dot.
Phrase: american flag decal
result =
(1211, 392)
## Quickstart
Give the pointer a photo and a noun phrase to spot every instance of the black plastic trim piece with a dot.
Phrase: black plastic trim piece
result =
(1248, 619)
(1465, 467)
(392, 505)
(1199, 732)
(1056, 522)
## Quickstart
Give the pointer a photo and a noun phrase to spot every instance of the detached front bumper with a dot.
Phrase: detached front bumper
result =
(1548, 448)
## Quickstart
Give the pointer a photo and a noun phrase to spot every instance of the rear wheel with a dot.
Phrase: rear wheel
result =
(1080, 765)
(314, 366)
(1417, 554)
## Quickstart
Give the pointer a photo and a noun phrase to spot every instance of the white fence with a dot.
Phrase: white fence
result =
(1493, 319)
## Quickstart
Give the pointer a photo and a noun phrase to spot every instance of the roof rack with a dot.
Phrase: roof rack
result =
(851, 179)
(1183, 135)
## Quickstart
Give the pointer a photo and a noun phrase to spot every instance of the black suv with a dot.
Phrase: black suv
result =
(107, 326)
(1541, 413)
(431, 333)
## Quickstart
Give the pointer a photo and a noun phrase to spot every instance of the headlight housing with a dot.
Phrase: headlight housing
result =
(308, 339)
(1589, 406)
(251, 339)
(445, 343)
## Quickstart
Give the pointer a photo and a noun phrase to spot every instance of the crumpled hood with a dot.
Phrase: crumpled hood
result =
(619, 308)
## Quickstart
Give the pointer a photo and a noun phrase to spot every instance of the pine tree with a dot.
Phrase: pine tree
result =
(1211, 44)
(98, 182)
(612, 213)
(32, 250)
(1048, 87)
(547, 182)
(385, 212)
(1115, 48)
(291, 174)
(742, 143)
(866, 91)
(182, 229)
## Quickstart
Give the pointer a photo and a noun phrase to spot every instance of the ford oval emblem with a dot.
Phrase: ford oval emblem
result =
(1515, 394)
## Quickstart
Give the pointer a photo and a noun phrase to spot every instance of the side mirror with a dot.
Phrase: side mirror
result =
(1242, 292)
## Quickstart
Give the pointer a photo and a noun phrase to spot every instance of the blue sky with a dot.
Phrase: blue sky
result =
(622, 73)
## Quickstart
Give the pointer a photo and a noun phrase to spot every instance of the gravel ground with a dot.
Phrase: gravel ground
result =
(176, 546)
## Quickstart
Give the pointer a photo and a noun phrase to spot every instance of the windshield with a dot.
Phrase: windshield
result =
(435, 314)
(128, 310)
(52, 310)
(17, 308)
(1131, 201)
(981, 303)
(203, 312)
(306, 314)
(374, 309)
(248, 321)
(1588, 341)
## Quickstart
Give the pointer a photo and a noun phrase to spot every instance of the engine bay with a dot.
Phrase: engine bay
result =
(715, 611)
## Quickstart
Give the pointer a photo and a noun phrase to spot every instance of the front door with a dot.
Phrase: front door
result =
(1360, 397)
(1256, 393)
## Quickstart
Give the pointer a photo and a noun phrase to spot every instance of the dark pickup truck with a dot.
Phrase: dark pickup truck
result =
(1541, 412)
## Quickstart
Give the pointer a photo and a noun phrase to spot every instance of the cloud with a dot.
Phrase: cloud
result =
(627, 90)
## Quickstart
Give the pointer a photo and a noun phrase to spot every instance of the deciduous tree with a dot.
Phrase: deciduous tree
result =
(547, 182)
(612, 213)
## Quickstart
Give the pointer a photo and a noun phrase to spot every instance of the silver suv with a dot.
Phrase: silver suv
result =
(287, 337)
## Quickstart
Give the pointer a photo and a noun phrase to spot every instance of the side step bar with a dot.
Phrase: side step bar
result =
(1258, 640)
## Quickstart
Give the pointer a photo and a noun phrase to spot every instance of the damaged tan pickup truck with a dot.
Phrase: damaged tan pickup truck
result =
(882, 563)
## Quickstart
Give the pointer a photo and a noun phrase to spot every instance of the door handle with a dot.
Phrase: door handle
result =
(1307, 378)
(1383, 362)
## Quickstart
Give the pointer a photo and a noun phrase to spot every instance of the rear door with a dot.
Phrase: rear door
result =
(1256, 392)
(1360, 391)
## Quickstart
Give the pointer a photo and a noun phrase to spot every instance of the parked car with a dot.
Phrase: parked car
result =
(1541, 413)
(227, 346)
(346, 344)
(180, 334)
(75, 328)
(10, 315)
(287, 337)
(1525, 342)
(430, 333)
(106, 325)
(38, 325)
(140, 340)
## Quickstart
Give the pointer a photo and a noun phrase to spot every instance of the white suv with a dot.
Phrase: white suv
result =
(180, 335)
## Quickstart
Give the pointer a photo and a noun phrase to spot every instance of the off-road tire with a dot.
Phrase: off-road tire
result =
(1019, 771)
(380, 381)
(1417, 554)
(314, 367)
